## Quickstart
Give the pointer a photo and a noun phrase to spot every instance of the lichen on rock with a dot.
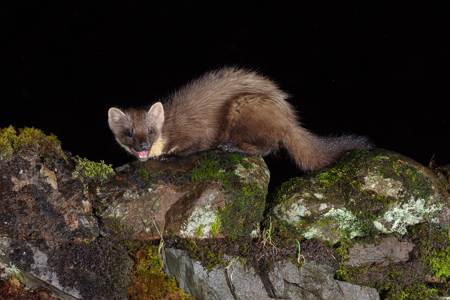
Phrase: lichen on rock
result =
(356, 221)
(364, 193)
(200, 196)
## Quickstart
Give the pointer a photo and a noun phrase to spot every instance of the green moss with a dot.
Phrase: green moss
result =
(215, 227)
(92, 170)
(28, 141)
(242, 212)
(245, 200)
(440, 262)
(395, 281)
(215, 259)
(417, 291)
(435, 250)
(211, 257)
(212, 167)
(144, 174)
(287, 188)
(345, 167)
(7, 136)
(379, 192)
(149, 281)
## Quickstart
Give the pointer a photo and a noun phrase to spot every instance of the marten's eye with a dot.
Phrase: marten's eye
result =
(129, 134)
(150, 132)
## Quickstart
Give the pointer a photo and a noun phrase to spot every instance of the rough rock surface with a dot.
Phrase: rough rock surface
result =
(64, 225)
(44, 204)
(72, 229)
(285, 281)
(390, 250)
(39, 272)
(175, 202)
(365, 191)
(47, 224)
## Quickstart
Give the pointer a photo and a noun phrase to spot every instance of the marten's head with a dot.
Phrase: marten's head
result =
(138, 130)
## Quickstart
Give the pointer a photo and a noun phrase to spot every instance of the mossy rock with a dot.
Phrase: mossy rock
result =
(28, 141)
(212, 194)
(364, 194)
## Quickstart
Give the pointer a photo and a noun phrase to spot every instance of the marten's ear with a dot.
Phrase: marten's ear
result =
(115, 117)
(156, 114)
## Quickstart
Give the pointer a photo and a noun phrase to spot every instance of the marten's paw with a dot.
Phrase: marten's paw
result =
(165, 157)
(229, 146)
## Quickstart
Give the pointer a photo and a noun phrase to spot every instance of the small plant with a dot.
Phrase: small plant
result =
(300, 256)
(199, 231)
(13, 272)
(93, 170)
(215, 227)
(267, 236)
(161, 242)
(143, 172)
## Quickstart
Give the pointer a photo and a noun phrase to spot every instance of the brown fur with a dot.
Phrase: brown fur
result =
(232, 109)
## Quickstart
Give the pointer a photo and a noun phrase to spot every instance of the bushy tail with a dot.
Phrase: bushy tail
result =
(311, 152)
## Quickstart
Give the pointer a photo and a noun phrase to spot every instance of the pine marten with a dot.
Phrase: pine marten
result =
(232, 109)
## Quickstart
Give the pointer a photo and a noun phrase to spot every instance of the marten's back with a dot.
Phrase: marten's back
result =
(199, 109)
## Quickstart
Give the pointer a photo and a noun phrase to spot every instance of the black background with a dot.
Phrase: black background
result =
(376, 68)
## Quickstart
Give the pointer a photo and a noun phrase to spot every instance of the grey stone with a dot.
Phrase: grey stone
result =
(314, 282)
(277, 280)
(285, 281)
(390, 250)
(39, 273)
(244, 281)
(356, 292)
(192, 277)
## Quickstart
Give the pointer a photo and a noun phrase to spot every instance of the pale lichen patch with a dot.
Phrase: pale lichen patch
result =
(295, 211)
(201, 217)
(319, 196)
(397, 218)
(323, 206)
(311, 233)
(382, 186)
(345, 220)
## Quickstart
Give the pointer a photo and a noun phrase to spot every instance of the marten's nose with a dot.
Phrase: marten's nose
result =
(144, 146)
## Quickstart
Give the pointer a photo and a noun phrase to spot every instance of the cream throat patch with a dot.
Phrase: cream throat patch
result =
(157, 147)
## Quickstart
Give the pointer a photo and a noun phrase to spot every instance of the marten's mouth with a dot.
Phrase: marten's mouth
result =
(141, 155)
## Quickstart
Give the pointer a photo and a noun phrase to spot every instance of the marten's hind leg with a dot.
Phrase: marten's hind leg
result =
(252, 125)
